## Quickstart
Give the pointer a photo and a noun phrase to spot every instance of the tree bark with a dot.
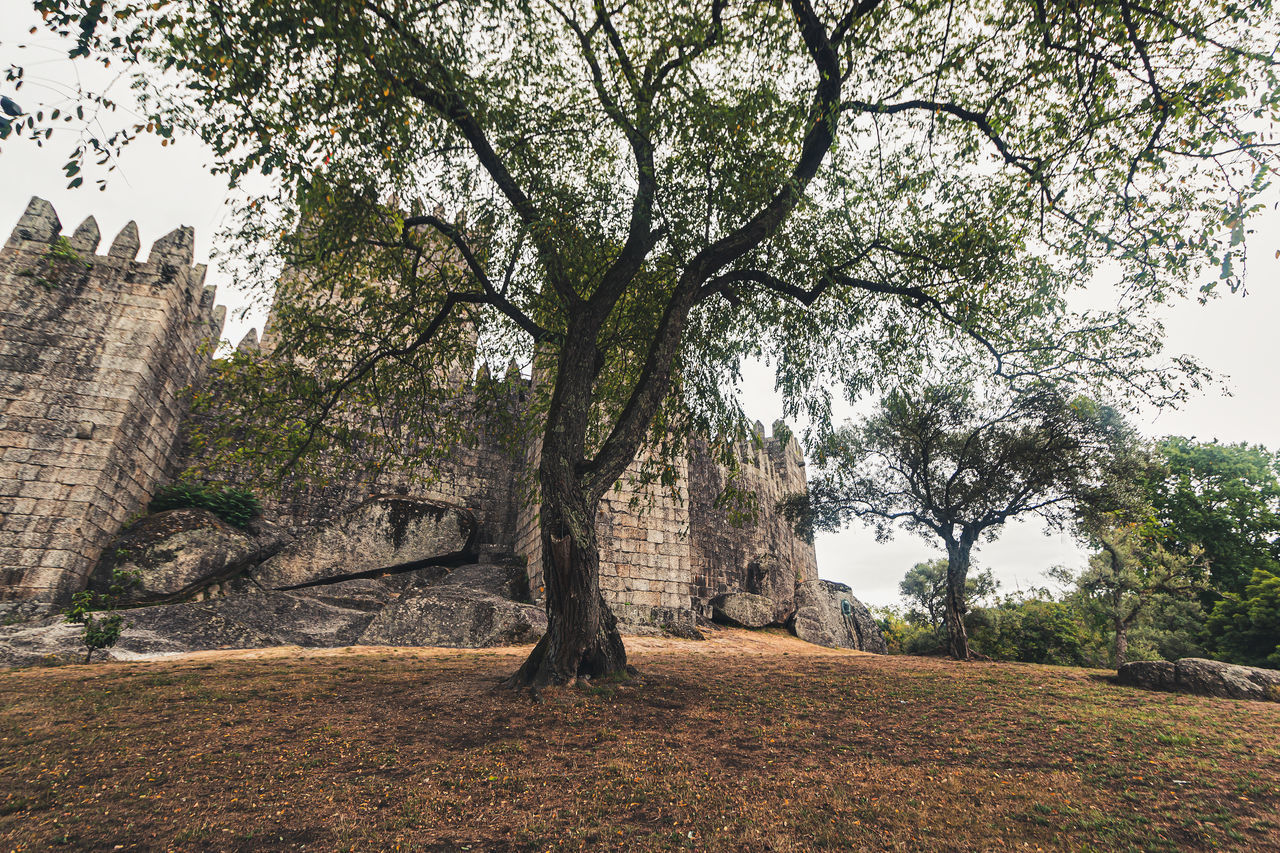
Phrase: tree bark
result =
(582, 636)
(1122, 642)
(957, 574)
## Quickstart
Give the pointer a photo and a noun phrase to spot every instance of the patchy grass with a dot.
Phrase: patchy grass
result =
(745, 743)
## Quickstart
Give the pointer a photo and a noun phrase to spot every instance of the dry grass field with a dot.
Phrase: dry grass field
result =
(745, 742)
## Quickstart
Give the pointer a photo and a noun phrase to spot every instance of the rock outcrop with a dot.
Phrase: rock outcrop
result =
(1204, 677)
(384, 533)
(827, 614)
(434, 606)
(456, 617)
(177, 552)
(743, 609)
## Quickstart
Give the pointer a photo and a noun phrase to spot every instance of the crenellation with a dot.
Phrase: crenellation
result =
(126, 244)
(39, 223)
(177, 248)
(93, 361)
(86, 237)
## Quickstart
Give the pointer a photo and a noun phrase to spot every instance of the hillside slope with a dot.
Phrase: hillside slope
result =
(746, 742)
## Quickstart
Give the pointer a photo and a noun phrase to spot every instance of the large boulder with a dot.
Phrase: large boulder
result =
(1228, 680)
(177, 552)
(827, 614)
(1151, 674)
(1204, 677)
(457, 617)
(744, 609)
(387, 532)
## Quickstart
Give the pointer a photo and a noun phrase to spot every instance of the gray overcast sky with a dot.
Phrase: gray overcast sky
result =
(162, 188)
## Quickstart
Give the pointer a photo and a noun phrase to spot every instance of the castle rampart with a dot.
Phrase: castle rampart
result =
(96, 354)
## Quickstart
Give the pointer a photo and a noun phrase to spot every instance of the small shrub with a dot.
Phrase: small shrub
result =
(101, 632)
(234, 506)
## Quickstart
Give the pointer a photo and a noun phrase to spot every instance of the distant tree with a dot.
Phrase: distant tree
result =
(1224, 499)
(1131, 571)
(1245, 627)
(950, 463)
(924, 588)
(641, 195)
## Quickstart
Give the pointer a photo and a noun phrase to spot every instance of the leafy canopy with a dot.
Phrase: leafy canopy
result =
(956, 462)
(1224, 498)
(839, 188)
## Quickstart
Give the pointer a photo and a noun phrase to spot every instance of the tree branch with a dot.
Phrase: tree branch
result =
(497, 299)
(362, 368)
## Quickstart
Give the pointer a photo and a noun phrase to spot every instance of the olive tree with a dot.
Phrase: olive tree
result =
(1131, 571)
(636, 196)
(949, 464)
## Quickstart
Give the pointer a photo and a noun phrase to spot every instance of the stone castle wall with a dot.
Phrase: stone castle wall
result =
(758, 553)
(95, 358)
(96, 353)
(645, 548)
(666, 552)
(480, 473)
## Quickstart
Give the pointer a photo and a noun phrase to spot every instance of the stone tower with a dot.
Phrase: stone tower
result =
(96, 355)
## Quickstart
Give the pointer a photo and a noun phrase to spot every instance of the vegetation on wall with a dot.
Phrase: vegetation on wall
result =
(236, 506)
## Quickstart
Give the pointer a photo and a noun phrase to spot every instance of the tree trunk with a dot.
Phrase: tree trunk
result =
(582, 636)
(957, 574)
(1122, 642)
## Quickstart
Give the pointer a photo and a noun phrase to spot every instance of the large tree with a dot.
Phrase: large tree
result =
(655, 190)
(948, 464)
(1223, 498)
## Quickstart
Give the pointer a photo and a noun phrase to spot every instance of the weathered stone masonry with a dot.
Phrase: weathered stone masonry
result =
(95, 357)
(96, 352)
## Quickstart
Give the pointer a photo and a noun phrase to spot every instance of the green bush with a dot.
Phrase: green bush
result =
(100, 632)
(232, 505)
(904, 636)
(1031, 631)
(1245, 628)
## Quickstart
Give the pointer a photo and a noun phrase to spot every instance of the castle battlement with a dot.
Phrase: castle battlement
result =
(96, 355)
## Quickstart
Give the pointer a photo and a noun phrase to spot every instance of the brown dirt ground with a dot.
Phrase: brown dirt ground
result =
(746, 742)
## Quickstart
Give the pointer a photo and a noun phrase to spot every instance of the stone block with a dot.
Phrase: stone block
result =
(29, 489)
(743, 609)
